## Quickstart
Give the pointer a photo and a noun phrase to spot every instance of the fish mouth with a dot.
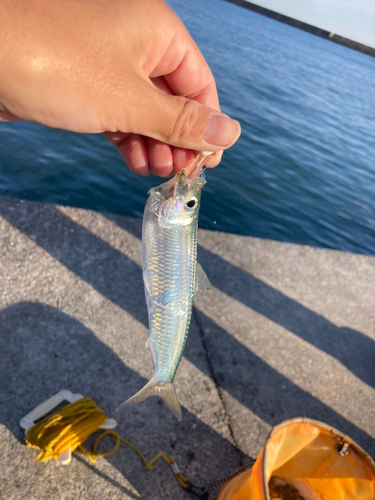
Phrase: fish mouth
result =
(180, 185)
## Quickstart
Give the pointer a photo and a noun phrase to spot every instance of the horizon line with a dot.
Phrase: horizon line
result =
(314, 30)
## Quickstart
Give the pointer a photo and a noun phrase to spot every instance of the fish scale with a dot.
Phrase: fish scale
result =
(170, 269)
(172, 275)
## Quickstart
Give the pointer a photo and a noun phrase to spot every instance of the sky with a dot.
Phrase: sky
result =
(354, 19)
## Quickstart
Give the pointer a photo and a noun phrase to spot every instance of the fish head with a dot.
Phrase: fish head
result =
(176, 203)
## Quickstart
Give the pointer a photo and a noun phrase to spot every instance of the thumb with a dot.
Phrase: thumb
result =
(180, 121)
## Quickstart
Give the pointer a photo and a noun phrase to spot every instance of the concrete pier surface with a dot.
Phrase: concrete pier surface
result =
(285, 331)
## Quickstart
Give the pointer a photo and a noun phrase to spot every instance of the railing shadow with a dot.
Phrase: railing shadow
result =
(257, 386)
(353, 349)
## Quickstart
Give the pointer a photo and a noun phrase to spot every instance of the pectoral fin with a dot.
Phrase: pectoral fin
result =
(202, 283)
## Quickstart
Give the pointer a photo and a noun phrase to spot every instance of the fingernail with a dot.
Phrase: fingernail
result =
(221, 131)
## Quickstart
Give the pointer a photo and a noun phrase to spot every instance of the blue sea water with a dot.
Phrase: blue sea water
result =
(303, 170)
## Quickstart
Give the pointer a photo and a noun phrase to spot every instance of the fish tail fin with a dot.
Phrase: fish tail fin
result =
(156, 388)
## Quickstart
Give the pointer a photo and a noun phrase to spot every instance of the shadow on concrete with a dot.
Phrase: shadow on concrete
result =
(353, 349)
(257, 386)
(44, 350)
(102, 267)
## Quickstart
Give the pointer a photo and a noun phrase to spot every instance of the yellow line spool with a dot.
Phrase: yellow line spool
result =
(69, 427)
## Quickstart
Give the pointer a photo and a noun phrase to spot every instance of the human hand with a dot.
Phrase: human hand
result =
(127, 68)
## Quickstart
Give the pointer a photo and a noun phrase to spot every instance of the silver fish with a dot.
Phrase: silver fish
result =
(172, 278)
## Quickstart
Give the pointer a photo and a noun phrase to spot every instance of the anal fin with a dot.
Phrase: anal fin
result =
(202, 283)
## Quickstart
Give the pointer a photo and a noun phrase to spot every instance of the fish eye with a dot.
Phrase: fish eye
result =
(191, 203)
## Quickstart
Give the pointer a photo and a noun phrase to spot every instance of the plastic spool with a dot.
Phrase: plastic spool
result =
(50, 404)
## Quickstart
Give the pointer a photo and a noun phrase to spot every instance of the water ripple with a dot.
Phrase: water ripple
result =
(303, 170)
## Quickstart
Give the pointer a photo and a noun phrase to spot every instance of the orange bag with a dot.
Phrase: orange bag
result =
(306, 460)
